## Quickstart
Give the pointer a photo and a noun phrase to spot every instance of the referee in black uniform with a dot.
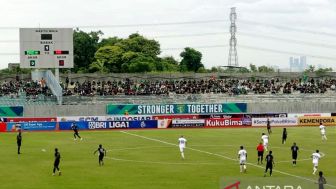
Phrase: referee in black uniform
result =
(19, 141)
(295, 150)
(57, 162)
(284, 135)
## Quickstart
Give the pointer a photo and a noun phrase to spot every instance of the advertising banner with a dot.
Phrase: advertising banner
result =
(315, 121)
(157, 109)
(81, 118)
(66, 125)
(11, 111)
(143, 124)
(275, 121)
(247, 121)
(3, 127)
(164, 123)
(188, 116)
(209, 116)
(94, 125)
(105, 118)
(187, 123)
(31, 126)
(128, 118)
(227, 122)
(32, 119)
(265, 115)
(310, 115)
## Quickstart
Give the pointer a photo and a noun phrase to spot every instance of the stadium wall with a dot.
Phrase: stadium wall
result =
(64, 110)
(255, 107)
(165, 123)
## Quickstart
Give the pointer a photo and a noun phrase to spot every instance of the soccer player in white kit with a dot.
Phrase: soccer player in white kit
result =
(323, 132)
(242, 156)
(316, 157)
(182, 144)
(264, 138)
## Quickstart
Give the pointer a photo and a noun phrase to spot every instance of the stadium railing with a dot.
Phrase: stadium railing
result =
(196, 98)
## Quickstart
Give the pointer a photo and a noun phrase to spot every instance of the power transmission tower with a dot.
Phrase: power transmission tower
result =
(233, 57)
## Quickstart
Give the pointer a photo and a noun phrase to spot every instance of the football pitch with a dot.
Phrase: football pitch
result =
(150, 159)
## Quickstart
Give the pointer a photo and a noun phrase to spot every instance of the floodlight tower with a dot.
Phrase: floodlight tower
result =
(233, 57)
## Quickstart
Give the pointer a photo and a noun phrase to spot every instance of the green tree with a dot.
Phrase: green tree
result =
(310, 69)
(265, 69)
(98, 67)
(168, 64)
(191, 59)
(125, 55)
(141, 64)
(202, 70)
(170, 60)
(139, 44)
(111, 56)
(85, 47)
(111, 41)
(183, 68)
(323, 71)
(16, 70)
(128, 56)
(230, 70)
(253, 68)
(214, 69)
(243, 70)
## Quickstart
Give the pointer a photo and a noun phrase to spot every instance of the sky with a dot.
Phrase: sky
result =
(268, 31)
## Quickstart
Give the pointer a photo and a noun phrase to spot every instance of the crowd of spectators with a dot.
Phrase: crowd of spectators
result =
(30, 89)
(202, 86)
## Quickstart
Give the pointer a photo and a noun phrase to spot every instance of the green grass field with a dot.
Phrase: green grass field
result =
(146, 159)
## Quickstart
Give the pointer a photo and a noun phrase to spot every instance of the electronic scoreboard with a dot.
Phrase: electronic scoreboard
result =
(46, 48)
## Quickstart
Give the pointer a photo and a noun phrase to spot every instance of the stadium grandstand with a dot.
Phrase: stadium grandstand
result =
(91, 88)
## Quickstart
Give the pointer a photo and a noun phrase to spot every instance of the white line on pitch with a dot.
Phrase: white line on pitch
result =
(218, 155)
(164, 163)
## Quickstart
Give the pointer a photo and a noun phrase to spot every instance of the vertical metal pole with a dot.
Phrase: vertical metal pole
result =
(57, 74)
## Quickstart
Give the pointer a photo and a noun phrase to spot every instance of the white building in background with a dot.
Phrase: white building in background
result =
(298, 64)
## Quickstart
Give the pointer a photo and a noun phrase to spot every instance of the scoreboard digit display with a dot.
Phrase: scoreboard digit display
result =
(46, 48)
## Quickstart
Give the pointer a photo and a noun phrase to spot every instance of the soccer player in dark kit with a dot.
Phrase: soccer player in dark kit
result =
(269, 130)
(295, 150)
(269, 163)
(321, 181)
(57, 162)
(284, 135)
(102, 153)
(75, 129)
(19, 141)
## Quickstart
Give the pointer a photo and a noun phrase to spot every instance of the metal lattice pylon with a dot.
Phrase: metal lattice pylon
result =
(233, 57)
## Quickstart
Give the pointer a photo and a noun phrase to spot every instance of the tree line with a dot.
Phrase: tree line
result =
(135, 54)
(138, 54)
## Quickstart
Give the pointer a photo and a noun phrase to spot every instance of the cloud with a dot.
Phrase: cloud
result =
(295, 13)
(318, 15)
